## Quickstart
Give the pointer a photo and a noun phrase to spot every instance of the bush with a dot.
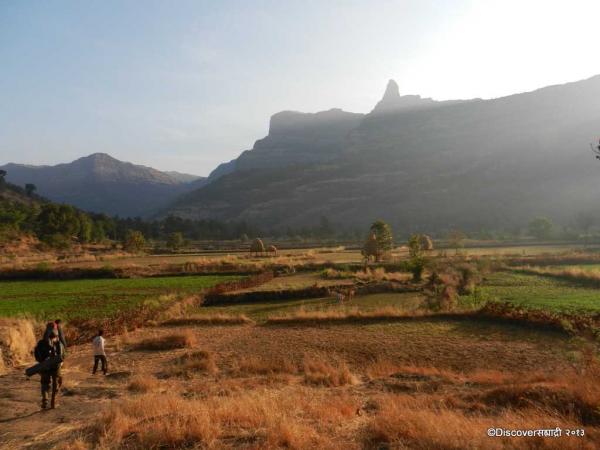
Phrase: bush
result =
(134, 241)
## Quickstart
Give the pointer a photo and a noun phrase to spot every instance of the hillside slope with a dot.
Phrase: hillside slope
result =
(101, 183)
(426, 165)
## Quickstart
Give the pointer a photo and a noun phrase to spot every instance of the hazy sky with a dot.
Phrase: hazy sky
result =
(185, 85)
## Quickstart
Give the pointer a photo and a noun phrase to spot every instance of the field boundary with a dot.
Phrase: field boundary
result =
(222, 298)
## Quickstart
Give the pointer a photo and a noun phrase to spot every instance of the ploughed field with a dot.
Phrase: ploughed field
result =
(95, 298)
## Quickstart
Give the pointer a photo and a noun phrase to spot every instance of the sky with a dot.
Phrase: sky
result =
(185, 85)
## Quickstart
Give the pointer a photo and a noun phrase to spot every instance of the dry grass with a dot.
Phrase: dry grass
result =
(383, 368)
(253, 420)
(183, 339)
(319, 371)
(143, 383)
(332, 315)
(17, 340)
(379, 274)
(404, 421)
(576, 274)
(191, 364)
(266, 365)
(210, 319)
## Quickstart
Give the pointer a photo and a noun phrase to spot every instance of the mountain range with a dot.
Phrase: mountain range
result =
(417, 163)
(101, 183)
(421, 164)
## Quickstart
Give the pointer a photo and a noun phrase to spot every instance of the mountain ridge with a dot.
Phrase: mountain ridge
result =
(471, 164)
(101, 183)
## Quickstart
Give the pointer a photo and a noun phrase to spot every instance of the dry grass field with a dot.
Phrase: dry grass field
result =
(424, 383)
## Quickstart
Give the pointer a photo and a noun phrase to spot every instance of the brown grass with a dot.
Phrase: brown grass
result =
(382, 368)
(589, 276)
(320, 372)
(183, 339)
(143, 383)
(191, 364)
(404, 421)
(210, 319)
(17, 340)
(332, 315)
(267, 365)
(256, 420)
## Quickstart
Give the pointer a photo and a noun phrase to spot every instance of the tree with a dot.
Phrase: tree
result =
(85, 228)
(175, 241)
(456, 239)
(2, 175)
(541, 227)
(257, 247)
(30, 189)
(416, 246)
(134, 241)
(383, 235)
(371, 249)
(57, 224)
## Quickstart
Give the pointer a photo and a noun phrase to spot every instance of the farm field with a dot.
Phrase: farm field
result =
(431, 383)
(541, 292)
(97, 298)
(293, 377)
(261, 311)
(297, 281)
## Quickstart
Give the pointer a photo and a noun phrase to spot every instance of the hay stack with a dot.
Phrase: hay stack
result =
(257, 247)
(426, 242)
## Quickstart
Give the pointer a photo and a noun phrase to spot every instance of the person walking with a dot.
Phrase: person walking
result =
(99, 353)
(49, 351)
(63, 341)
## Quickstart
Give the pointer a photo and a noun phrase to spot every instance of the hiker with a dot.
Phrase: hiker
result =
(49, 348)
(99, 353)
(61, 338)
(61, 335)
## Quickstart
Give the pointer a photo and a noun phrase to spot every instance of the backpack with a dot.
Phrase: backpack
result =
(41, 351)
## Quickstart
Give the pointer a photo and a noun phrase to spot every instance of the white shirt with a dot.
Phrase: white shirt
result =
(98, 344)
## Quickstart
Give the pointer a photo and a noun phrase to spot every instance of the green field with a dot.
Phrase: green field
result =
(261, 311)
(93, 298)
(540, 292)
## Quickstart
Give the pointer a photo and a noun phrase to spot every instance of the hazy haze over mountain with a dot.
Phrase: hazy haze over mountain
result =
(101, 183)
(188, 86)
(420, 164)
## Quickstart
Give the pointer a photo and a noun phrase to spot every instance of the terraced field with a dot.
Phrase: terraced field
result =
(94, 298)
(542, 292)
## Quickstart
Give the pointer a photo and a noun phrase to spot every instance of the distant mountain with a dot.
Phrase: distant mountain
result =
(418, 163)
(184, 177)
(295, 138)
(101, 183)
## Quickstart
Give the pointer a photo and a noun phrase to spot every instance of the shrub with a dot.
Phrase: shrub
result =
(143, 383)
(320, 372)
(184, 339)
(190, 364)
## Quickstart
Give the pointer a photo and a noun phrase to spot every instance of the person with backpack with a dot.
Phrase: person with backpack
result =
(61, 335)
(99, 353)
(63, 341)
(49, 353)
